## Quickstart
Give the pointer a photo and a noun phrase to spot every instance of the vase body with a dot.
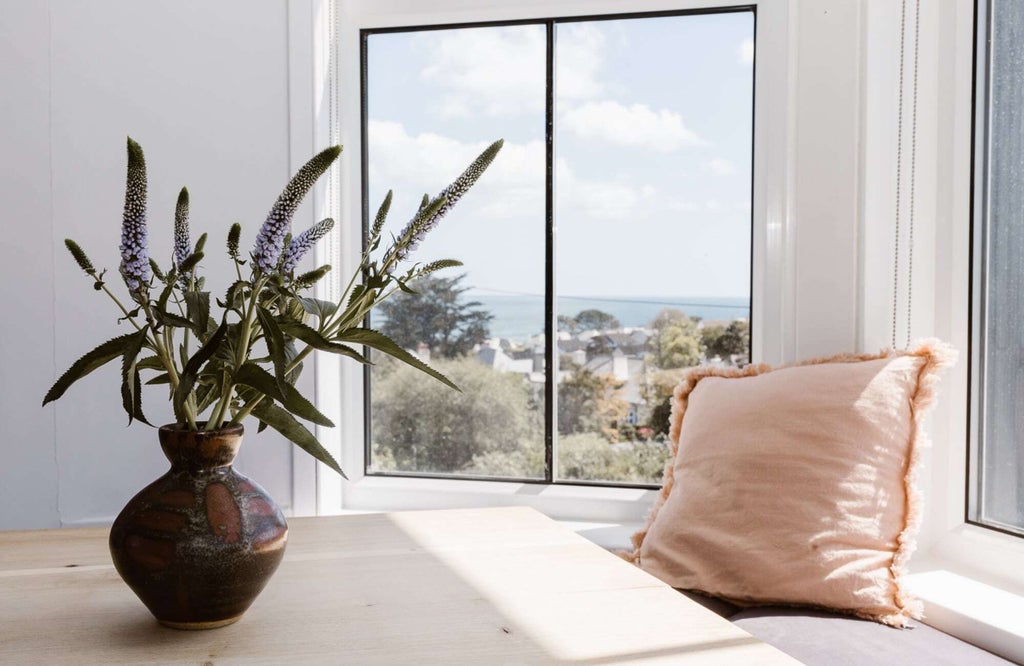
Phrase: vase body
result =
(198, 544)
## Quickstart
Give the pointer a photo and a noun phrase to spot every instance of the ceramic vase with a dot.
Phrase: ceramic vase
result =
(199, 544)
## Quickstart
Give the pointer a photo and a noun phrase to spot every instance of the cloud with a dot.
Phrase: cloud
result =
(598, 199)
(635, 126)
(721, 167)
(513, 186)
(412, 164)
(500, 71)
(745, 52)
(493, 71)
(580, 49)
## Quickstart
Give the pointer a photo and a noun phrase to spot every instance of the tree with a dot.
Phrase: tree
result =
(657, 393)
(589, 457)
(676, 342)
(725, 341)
(583, 456)
(567, 323)
(589, 402)
(437, 316)
(595, 320)
(423, 426)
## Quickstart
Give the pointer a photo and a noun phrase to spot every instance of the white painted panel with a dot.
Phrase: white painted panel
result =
(28, 477)
(204, 88)
(826, 195)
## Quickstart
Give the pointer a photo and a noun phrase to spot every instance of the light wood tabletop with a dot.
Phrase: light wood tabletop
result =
(478, 586)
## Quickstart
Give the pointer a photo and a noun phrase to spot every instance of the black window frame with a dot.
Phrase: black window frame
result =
(550, 354)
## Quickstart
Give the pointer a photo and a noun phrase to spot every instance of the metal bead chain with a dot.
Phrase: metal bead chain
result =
(913, 173)
(899, 175)
(332, 132)
(899, 172)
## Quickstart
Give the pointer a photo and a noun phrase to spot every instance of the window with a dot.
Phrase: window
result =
(996, 488)
(607, 249)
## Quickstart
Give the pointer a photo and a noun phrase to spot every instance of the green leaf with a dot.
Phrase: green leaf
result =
(318, 341)
(283, 422)
(99, 356)
(165, 318)
(234, 298)
(317, 307)
(191, 371)
(206, 395)
(291, 352)
(161, 304)
(150, 363)
(275, 344)
(381, 342)
(131, 394)
(256, 377)
(197, 305)
(163, 378)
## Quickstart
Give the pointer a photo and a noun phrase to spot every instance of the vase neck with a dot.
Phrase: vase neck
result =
(191, 449)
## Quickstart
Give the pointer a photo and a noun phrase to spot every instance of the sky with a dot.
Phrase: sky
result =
(653, 128)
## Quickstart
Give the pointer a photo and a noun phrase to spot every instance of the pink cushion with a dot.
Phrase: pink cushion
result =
(796, 485)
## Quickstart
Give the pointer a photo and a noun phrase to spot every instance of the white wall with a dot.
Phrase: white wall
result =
(204, 87)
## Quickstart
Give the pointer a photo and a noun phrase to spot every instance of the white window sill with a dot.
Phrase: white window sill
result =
(596, 504)
(986, 616)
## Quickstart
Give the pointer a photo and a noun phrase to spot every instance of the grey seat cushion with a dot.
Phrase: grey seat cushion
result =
(823, 638)
(714, 604)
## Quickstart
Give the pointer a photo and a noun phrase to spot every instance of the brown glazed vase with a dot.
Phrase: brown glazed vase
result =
(198, 544)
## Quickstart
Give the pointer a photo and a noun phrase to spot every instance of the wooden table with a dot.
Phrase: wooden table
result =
(481, 586)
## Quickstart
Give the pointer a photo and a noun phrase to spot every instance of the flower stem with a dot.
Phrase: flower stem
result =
(244, 341)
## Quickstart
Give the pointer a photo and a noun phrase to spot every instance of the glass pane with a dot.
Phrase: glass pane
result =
(1000, 461)
(652, 190)
(435, 100)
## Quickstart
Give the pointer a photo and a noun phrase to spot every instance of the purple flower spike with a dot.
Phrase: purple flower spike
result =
(270, 240)
(302, 243)
(432, 211)
(182, 243)
(134, 248)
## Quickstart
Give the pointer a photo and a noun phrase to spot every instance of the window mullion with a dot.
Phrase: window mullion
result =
(550, 302)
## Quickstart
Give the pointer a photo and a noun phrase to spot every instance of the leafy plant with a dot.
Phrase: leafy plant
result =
(245, 360)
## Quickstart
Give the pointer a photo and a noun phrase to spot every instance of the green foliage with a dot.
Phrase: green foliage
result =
(726, 341)
(426, 430)
(595, 320)
(567, 323)
(589, 403)
(92, 360)
(657, 393)
(208, 361)
(676, 343)
(589, 457)
(581, 457)
(436, 314)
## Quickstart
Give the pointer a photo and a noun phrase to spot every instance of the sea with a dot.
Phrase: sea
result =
(518, 317)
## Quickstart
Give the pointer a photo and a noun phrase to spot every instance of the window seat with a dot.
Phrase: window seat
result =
(819, 637)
